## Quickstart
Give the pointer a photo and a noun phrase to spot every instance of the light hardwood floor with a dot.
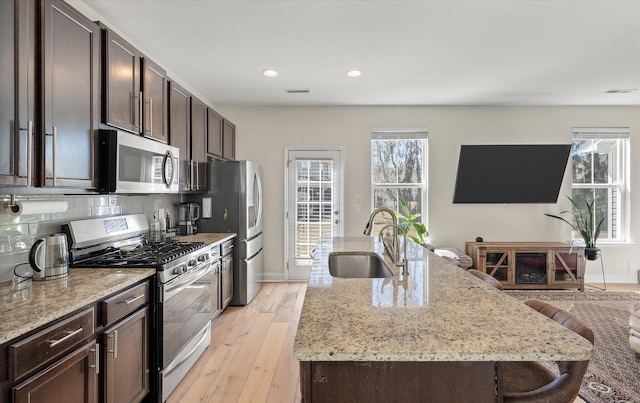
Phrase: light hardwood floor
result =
(251, 356)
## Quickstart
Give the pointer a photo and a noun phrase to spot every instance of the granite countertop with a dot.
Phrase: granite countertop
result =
(31, 304)
(436, 313)
(207, 237)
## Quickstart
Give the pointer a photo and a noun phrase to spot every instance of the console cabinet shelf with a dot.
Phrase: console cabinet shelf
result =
(530, 265)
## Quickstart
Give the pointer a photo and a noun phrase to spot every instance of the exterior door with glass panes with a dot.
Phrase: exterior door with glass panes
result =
(314, 206)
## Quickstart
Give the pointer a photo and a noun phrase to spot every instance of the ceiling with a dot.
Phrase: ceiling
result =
(517, 52)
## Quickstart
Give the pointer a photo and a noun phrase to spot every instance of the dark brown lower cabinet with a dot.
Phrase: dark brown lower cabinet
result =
(227, 280)
(383, 381)
(126, 359)
(73, 379)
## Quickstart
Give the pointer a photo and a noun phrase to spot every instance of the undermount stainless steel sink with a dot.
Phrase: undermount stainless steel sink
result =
(358, 265)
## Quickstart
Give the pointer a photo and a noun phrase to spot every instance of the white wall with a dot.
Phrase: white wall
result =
(263, 132)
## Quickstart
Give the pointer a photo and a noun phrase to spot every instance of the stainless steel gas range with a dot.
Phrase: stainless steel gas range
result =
(182, 298)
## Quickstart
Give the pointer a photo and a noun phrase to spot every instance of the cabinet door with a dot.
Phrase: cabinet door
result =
(70, 88)
(17, 43)
(180, 130)
(72, 379)
(126, 359)
(229, 140)
(227, 280)
(214, 134)
(122, 107)
(198, 141)
(567, 267)
(498, 263)
(155, 101)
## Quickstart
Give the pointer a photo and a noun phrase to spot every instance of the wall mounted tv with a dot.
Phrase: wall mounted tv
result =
(518, 173)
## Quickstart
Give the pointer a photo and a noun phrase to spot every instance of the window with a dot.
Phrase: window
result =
(398, 170)
(599, 172)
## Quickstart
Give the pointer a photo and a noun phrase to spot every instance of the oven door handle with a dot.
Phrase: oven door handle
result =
(178, 284)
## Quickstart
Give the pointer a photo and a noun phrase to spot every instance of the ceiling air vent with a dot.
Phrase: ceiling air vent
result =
(621, 91)
(298, 91)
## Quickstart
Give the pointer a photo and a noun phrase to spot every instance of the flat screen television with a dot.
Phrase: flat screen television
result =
(518, 173)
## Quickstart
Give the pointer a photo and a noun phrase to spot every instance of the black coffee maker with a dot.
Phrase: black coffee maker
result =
(189, 213)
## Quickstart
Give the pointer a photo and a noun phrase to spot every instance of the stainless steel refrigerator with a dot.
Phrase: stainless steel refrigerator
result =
(235, 190)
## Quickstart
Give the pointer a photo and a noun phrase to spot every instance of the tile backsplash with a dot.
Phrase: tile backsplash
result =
(17, 233)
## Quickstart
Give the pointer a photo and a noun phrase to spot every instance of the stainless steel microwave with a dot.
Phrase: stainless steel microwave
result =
(132, 164)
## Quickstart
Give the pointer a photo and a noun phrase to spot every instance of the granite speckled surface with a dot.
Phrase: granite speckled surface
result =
(31, 304)
(436, 313)
(207, 237)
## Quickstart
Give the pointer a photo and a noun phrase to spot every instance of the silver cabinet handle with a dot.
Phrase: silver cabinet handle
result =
(132, 109)
(115, 344)
(96, 358)
(29, 130)
(131, 300)
(151, 116)
(70, 334)
(54, 140)
(140, 112)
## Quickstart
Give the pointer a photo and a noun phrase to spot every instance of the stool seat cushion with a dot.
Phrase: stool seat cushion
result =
(454, 254)
(525, 376)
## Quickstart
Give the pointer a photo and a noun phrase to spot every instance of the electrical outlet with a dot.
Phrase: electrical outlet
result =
(358, 207)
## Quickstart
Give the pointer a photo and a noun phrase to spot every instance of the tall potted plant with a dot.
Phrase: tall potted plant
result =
(408, 221)
(584, 224)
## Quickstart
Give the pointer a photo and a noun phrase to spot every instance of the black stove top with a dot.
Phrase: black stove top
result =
(144, 255)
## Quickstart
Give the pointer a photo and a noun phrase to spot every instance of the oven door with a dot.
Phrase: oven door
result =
(185, 306)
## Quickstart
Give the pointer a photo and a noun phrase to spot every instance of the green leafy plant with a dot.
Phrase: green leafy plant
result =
(584, 224)
(407, 222)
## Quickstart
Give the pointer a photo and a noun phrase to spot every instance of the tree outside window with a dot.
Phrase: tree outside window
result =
(397, 171)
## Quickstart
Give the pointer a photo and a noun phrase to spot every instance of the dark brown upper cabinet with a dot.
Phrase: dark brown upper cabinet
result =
(154, 112)
(199, 112)
(17, 92)
(121, 105)
(214, 134)
(180, 130)
(229, 140)
(135, 90)
(70, 56)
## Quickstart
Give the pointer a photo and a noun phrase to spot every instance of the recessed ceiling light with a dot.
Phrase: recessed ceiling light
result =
(354, 73)
(269, 73)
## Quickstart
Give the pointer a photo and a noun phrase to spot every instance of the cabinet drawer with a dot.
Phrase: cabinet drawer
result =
(49, 343)
(227, 247)
(124, 303)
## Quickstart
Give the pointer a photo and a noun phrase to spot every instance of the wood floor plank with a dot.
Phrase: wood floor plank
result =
(260, 378)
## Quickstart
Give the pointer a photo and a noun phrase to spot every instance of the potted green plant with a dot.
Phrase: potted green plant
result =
(585, 225)
(407, 222)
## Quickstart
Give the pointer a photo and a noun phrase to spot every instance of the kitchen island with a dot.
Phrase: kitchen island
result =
(436, 334)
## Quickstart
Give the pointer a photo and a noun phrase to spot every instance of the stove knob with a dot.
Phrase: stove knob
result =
(184, 268)
(192, 262)
(202, 258)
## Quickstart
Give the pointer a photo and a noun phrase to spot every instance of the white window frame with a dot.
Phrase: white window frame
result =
(622, 185)
(406, 134)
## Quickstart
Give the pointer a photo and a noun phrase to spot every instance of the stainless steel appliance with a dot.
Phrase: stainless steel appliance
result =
(235, 189)
(189, 213)
(182, 296)
(49, 257)
(133, 164)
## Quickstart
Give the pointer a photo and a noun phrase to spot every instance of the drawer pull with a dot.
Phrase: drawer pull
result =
(132, 300)
(69, 335)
